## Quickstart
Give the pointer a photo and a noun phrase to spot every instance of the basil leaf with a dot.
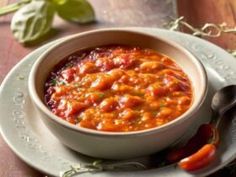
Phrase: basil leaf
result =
(79, 11)
(32, 21)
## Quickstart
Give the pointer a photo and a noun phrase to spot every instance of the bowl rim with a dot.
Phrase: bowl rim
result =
(56, 119)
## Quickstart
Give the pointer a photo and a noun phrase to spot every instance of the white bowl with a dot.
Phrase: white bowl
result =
(116, 145)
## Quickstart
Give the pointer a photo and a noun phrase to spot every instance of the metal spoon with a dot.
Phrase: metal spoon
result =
(222, 101)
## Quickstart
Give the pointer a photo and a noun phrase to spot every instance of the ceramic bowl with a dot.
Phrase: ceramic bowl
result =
(116, 145)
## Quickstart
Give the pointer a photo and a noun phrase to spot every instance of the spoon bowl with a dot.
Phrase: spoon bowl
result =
(224, 99)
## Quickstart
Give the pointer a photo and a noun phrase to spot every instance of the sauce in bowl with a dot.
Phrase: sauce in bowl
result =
(118, 88)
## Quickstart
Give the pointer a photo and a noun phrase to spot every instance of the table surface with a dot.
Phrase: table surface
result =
(111, 13)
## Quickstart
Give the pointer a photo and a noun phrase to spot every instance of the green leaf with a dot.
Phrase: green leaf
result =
(79, 11)
(32, 21)
(13, 7)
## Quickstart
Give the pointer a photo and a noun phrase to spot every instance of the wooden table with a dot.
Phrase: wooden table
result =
(111, 13)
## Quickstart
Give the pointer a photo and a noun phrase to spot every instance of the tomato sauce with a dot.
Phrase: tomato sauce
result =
(118, 88)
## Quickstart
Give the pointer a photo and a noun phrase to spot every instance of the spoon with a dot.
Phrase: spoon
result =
(223, 100)
(200, 150)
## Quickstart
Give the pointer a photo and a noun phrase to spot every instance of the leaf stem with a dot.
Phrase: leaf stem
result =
(13, 7)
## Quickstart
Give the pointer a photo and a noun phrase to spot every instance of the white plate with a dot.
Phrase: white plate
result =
(27, 136)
